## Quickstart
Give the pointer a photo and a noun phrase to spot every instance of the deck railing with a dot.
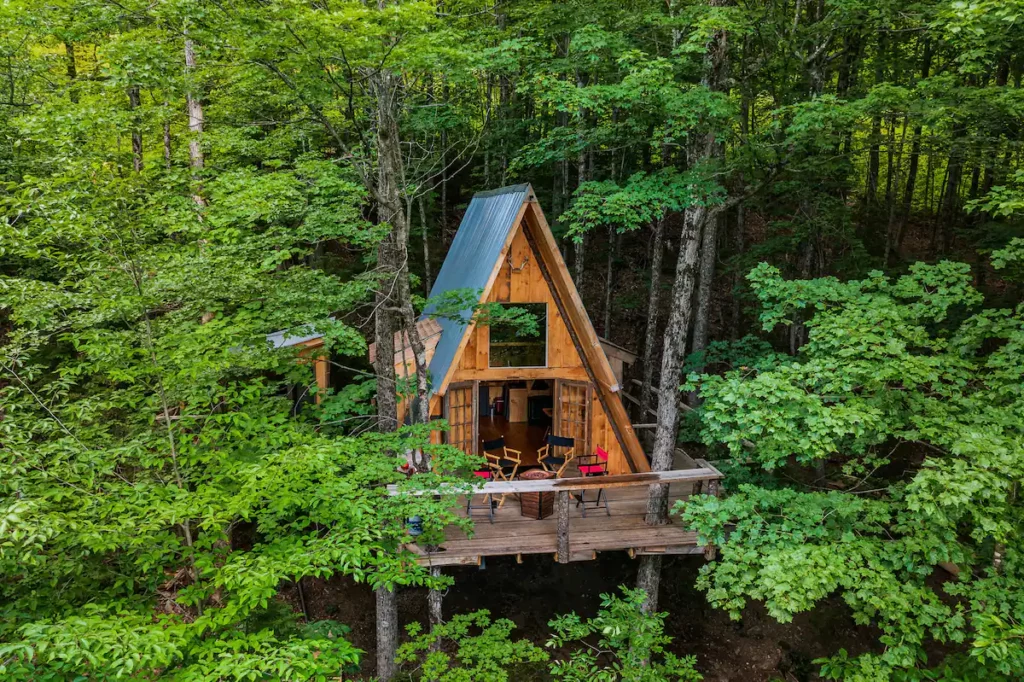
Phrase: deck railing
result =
(703, 475)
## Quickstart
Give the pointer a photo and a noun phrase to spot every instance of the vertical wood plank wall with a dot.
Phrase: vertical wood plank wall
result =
(527, 285)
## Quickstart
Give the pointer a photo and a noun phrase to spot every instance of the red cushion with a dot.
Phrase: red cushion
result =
(602, 454)
(588, 469)
(482, 474)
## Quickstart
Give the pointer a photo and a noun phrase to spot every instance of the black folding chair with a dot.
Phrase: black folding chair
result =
(552, 462)
(504, 464)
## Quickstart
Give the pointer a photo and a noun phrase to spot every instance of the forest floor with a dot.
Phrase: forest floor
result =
(756, 649)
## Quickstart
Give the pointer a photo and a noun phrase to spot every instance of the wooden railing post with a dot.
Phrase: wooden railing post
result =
(562, 506)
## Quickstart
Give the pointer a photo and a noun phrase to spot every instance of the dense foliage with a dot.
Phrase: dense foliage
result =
(181, 179)
(912, 394)
(621, 642)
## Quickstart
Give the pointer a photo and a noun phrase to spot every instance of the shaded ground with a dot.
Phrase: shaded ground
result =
(757, 649)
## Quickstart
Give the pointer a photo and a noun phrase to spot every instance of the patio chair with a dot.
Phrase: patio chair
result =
(556, 463)
(487, 475)
(503, 461)
(594, 465)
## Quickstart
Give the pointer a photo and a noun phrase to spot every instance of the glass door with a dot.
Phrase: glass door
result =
(572, 413)
(461, 410)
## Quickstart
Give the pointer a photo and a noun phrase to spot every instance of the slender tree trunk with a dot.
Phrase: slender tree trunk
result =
(915, 161)
(939, 211)
(387, 633)
(434, 607)
(578, 261)
(672, 354)
(951, 202)
(708, 256)
(890, 158)
(427, 279)
(613, 247)
(651, 336)
(738, 240)
(581, 177)
(195, 119)
(892, 226)
(72, 71)
(871, 183)
(167, 141)
(133, 104)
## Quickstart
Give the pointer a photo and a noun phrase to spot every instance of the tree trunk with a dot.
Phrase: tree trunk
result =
(951, 200)
(890, 158)
(703, 147)
(387, 633)
(167, 141)
(708, 256)
(581, 177)
(133, 104)
(651, 337)
(672, 354)
(72, 71)
(427, 280)
(613, 246)
(797, 329)
(434, 601)
(394, 267)
(871, 182)
(915, 161)
(648, 579)
(892, 226)
(738, 243)
(195, 119)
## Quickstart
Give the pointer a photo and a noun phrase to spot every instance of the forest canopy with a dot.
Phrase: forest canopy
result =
(807, 219)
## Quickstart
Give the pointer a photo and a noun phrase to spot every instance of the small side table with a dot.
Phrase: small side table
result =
(537, 505)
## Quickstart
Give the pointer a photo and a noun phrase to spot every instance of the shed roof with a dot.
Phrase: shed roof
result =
(293, 337)
(477, 246)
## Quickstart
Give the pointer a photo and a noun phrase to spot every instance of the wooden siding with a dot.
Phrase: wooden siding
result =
(522, 282)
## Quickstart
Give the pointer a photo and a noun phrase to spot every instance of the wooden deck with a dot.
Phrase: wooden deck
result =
(580, 538)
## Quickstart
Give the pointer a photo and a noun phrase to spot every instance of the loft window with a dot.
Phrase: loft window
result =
(511, 347)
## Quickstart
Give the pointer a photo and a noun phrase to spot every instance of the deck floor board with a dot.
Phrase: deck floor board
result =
(514, 534)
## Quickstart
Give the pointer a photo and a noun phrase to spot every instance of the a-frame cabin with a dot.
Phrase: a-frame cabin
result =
(487, 381)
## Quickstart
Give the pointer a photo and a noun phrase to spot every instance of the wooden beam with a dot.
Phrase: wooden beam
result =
(562, 508)
(575, 484)
(513, 374)
(636, 401)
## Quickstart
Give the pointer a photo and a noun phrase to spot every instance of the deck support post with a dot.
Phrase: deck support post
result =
(434, 607)
(387, 632)
(562, 508)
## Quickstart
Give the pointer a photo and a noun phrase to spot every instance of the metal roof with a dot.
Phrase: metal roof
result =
(293, 337)
(474, 252)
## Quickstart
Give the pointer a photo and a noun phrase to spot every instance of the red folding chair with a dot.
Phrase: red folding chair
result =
(487, 475)
(594, 465)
